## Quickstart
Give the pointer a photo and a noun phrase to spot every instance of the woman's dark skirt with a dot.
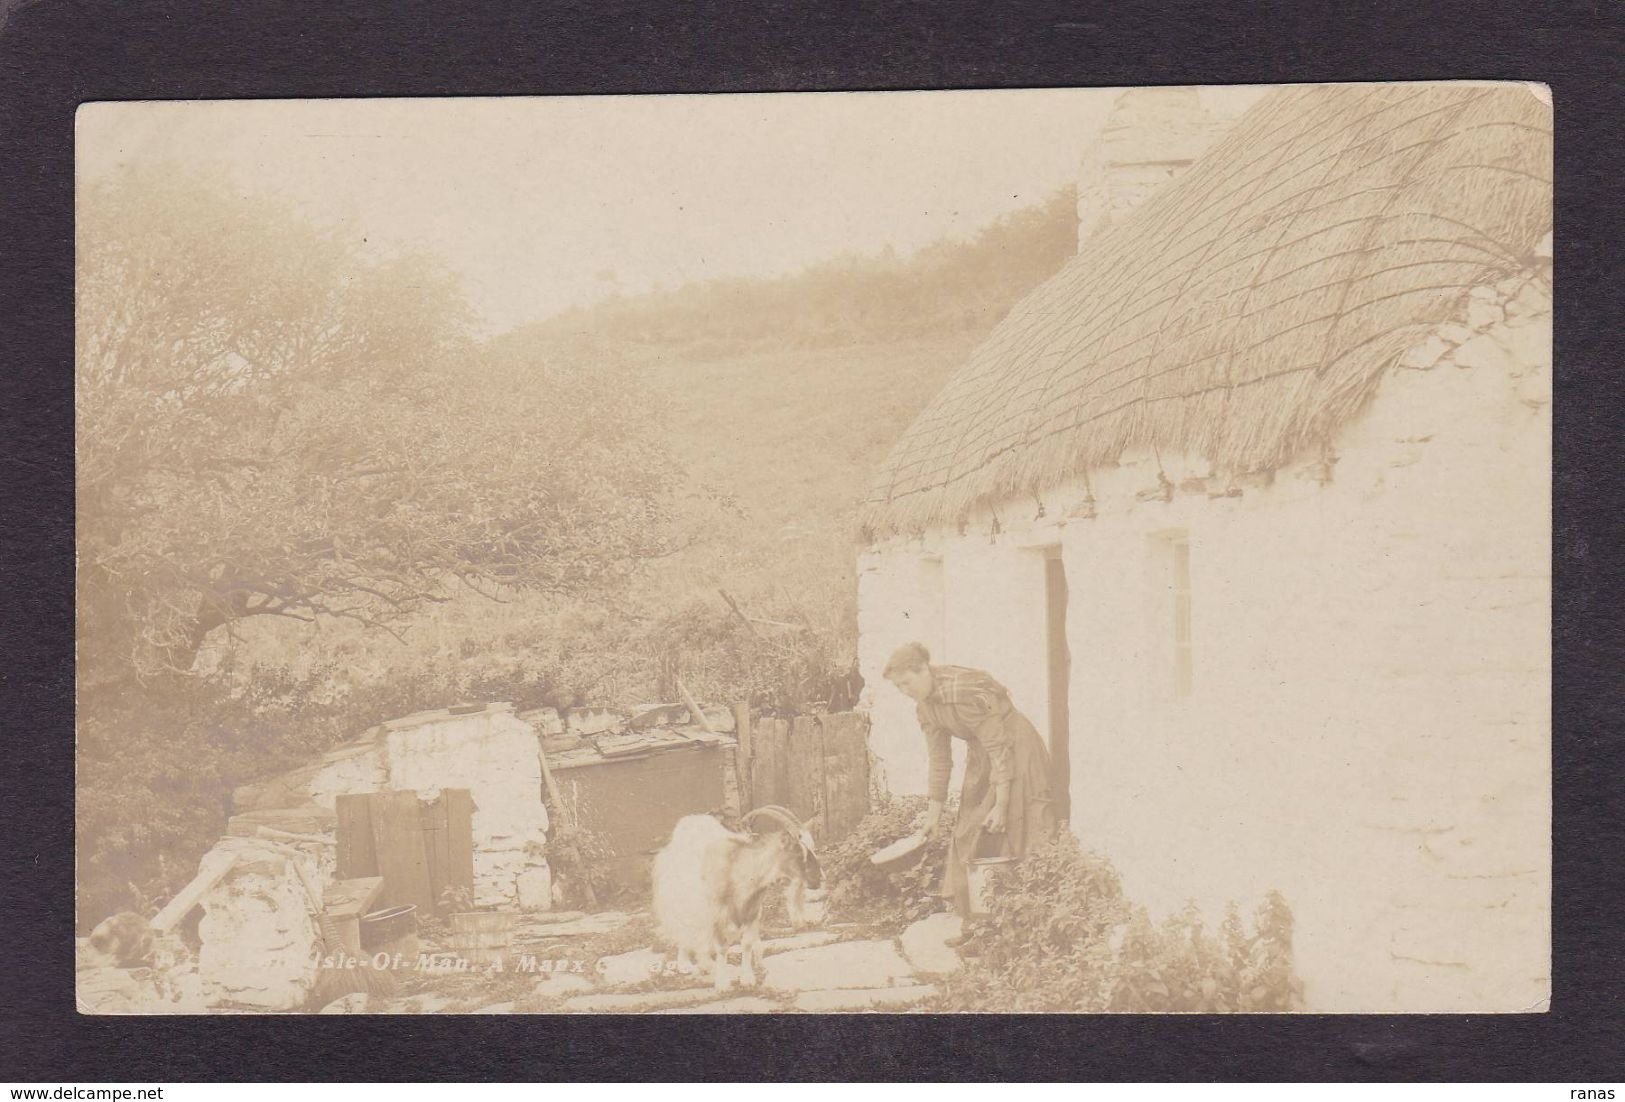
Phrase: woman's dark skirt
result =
(1030, 819)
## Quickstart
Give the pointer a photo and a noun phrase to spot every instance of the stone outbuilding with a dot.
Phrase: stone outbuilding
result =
(442, 798)
(487, 750)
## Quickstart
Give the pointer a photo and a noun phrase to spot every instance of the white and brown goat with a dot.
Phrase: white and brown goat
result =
(710, 884)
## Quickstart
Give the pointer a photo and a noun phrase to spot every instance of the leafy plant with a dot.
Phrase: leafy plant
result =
(1061, 936)
(805, 667)
(270, 425)
(858, 891)
(581, 861)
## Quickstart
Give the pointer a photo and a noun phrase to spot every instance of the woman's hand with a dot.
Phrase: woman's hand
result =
(933, 819)
(996, 819)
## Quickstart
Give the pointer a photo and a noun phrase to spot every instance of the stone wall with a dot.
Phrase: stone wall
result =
(355, 768)
(492, 753)
(1367, 727)
(259, 942)
(497, 757)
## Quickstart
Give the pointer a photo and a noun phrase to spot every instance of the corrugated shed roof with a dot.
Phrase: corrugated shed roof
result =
(1249, 307)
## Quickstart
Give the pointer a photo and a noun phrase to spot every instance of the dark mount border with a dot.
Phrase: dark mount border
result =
(55, 54)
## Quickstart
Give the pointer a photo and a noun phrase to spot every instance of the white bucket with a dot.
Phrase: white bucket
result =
(978, 874)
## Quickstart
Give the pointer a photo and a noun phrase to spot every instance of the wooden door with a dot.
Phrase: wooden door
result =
(420, 848)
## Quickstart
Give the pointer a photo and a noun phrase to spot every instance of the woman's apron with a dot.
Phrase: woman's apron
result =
(1030, 813)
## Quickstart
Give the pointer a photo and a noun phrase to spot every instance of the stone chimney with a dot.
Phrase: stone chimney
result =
(1150, 137)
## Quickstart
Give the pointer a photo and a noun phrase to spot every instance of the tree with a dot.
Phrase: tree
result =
(270, 424)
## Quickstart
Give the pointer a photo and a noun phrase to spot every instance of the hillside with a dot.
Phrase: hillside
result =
(785, 395)
(952, 286)
(779, 399)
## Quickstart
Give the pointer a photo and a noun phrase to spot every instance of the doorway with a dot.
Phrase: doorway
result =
(1059, 681)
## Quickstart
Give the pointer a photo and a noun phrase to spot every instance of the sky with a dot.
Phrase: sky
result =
(541, 203)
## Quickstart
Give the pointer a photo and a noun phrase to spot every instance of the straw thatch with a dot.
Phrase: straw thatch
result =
(1249, 307)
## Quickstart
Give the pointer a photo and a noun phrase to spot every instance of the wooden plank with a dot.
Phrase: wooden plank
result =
(835, 778)
(306, 819)
(459, 838)
(742, 726)
(731, 803)
(812, 765)
(850, 732)
(344, 897)
(810, 755)
(838, 774)
(397, 835)
(802, 768)
(695, 714)
(831, 753)
(824, 780)
(743, 619)
(345, 901)
(554, 801)
(435, 845)
(862, 765)
(313, 894)
(761, 763)
(768, 777)
(296, 839)
(214, 865)
(783, 763)
(743, 760)
(357, 856)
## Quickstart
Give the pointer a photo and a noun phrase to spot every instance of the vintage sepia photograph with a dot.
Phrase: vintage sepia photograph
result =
(1069, 550)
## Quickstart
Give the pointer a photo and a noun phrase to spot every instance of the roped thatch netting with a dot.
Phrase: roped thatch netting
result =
(1249, 307)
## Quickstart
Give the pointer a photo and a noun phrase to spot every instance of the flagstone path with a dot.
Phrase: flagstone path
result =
(814, 971)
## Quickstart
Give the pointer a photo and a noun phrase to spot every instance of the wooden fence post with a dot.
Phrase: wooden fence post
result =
(828, 812)
(744, 758)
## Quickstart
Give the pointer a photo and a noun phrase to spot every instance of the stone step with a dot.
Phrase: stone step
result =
(925, 944)
(627, 969)
(860, 964)
(812, 939)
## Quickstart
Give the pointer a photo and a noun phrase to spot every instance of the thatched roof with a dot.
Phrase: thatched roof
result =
(1249, 307)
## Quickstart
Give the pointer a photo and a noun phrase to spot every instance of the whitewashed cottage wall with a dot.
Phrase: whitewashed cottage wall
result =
(1368, 723)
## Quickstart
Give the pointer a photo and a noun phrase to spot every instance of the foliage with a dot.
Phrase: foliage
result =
(271, 425)
(1047, 941)
(1060, 935)
(243, 369)
(957, 285)
(784, 396)
(1183, 967)
(794, 664)
(858, 891)
(157, 763)
(580, 860)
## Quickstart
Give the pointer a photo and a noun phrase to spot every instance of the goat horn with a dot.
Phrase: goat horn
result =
(786, 818)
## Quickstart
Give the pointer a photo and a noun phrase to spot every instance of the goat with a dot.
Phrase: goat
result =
(710, 883)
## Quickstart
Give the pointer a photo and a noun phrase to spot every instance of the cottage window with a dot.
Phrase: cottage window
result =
(1059, 663)
(1170, 622)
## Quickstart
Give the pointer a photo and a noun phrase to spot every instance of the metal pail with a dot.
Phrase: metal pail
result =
(979, 875)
